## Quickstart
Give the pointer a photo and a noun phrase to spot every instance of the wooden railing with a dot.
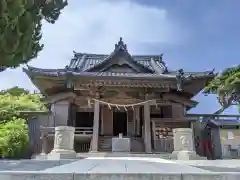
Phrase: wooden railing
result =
(195, 117)
(164, 144)
(82, 147)
(78, 130)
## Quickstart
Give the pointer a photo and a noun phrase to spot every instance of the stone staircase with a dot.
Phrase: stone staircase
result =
(105, 143)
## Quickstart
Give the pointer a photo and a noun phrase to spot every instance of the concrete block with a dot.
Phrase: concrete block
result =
(188, 155)
(4, 175)
(63, 143)
(125, 176)
(121, 144)
(211, 176)
(41, 156)
(62, 154)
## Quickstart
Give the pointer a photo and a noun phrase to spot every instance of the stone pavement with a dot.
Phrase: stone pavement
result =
(123, 165)
(233, 163)
(214, 165)
(30, 165)
(124, 168)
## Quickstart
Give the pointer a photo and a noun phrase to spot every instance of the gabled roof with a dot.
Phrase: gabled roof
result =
(120, 65)
(119, 56)
(72, 71)
(85, 62)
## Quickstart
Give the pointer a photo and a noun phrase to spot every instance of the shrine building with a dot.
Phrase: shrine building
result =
(104, 96)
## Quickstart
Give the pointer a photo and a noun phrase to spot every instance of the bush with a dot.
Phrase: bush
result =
(13, 129)
(13, 138)
(11, 105)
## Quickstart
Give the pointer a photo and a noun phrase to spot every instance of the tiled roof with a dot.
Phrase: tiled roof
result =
(84, 61)
(226, 122)
(85, 64)
(74, 72)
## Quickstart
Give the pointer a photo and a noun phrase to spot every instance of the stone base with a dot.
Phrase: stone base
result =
(121, 145)
(41, 156)
(189, 155)
(174, 155)
(62, 154)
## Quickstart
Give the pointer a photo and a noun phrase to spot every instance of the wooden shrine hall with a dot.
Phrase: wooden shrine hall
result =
(104, 96)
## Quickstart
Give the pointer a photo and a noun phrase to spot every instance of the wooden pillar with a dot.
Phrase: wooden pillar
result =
(130, 123)
(44, 140)
(95, 127)
(154, 134)
(147, 128)
(102, 122)
(137, 117)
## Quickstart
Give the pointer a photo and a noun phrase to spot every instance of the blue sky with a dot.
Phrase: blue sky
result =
(193, 35)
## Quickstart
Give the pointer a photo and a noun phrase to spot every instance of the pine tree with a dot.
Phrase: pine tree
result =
(227, 86)
(20, 28)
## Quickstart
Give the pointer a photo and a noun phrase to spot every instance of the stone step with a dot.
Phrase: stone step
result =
(106, 146)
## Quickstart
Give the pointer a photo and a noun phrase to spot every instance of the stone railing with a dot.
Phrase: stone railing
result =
(78, 130)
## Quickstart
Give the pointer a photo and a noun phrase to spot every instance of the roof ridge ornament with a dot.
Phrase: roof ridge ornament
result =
(158, 60)
(180, 80)
(161, 57)
(120, 45)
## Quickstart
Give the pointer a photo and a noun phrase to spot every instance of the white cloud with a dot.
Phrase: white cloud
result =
(95, 26)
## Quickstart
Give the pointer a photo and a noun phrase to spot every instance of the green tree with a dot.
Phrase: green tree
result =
(13, 129)
(15, 91)
(13, 138)
(20, 28)
(12, 102)
(227, 87)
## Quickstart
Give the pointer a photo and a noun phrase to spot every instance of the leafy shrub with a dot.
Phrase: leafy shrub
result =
(11, 105)
(13, 138)
(13, 129)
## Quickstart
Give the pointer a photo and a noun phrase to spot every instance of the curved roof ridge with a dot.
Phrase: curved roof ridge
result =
(155, 66)
(31, 68)
(194, 72)
(120, 46)
(106, 54)
(81, 62)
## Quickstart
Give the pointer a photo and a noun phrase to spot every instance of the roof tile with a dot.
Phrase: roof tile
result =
(90, 60)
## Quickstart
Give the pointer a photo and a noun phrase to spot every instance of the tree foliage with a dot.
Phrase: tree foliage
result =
(20, 28)
(15, 91)
(227, 86)
(13, 138)
(13, 129)
(12, 103)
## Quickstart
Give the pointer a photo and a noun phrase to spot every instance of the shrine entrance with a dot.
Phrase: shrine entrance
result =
(84, 119)
(119, 123)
